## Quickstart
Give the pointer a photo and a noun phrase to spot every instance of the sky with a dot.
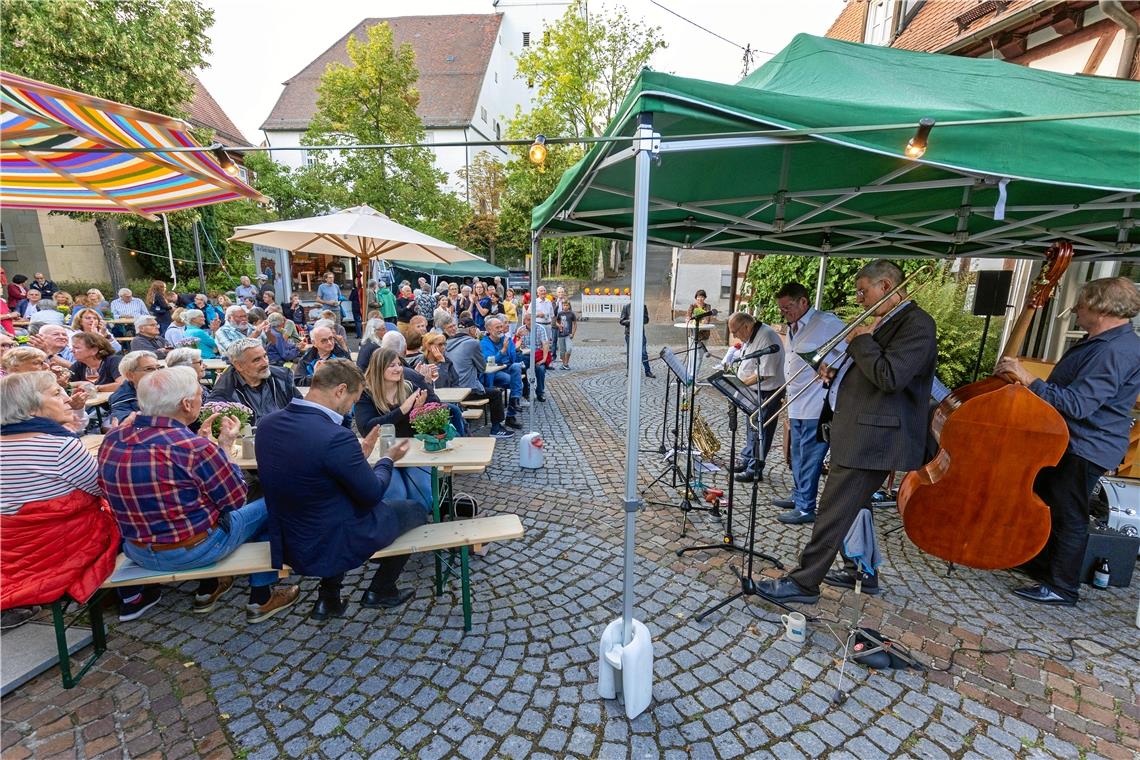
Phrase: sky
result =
(258, 44)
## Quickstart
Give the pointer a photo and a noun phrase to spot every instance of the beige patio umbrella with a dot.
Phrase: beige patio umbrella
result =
(360, 231)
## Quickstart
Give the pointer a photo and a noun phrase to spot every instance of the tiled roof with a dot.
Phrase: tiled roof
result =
(935, 24)
(848, 25)
(204, 111)
(452, 55)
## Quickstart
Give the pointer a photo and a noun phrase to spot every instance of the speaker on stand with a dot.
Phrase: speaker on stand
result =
(991, 298)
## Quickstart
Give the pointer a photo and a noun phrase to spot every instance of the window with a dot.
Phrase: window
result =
(880, 22)
(308, 159)
(726, 284)
(3, 241)
(526, 39)
(483, 114)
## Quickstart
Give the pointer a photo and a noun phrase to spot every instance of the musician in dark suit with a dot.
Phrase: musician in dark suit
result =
(880, 395)
(327, 514)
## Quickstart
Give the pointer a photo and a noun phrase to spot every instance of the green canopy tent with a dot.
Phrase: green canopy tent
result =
(806, 156)
(479, 268)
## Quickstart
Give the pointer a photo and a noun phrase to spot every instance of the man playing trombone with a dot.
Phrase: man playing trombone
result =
(808, 329)
(880, 394)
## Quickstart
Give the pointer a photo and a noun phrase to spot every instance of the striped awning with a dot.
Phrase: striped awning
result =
(61, 150)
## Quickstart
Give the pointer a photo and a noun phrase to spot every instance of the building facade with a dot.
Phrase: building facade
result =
(468, 85)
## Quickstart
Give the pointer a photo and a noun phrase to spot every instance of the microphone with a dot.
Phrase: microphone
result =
(709, 313)
(775, 347)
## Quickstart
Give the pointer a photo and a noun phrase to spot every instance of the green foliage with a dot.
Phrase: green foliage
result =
(295, 193)
(373, 101)
(581, 69)
(584, 65)
(959, 331)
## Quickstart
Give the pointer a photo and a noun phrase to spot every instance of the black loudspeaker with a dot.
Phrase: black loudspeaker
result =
(991, 292)
(1117, 547)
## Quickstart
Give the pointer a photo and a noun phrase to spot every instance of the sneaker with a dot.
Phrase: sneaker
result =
(540, 397)
(149, 597)
(784, 503)
(282, 598)
(204, 603)
(566, 367)
(650, 376)
(511, 422)
(520, 403)
(501, 433)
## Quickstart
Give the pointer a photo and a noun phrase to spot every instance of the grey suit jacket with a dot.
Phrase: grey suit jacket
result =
(883, 402)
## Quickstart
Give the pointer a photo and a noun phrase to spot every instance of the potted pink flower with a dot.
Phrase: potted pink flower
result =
(432, 423)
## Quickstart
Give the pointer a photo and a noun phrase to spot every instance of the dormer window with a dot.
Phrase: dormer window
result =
(880, 22)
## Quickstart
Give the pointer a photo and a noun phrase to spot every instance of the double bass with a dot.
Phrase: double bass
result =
(973, 504)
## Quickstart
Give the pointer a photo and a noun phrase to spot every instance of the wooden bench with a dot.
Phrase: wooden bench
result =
(472, 414)
(455, 535)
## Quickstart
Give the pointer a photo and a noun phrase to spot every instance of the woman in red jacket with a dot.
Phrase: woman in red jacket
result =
(59, 535)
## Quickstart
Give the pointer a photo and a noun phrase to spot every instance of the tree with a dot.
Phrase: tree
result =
(138, 53)
(485, 179)
(581, 68)
(374, 101)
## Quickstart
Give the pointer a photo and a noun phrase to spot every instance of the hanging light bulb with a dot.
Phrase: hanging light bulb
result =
(916, 146)
(537, 151)
(224, 161)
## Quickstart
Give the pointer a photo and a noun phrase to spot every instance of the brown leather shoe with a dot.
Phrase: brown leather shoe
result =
(282, 598)
(204, 603)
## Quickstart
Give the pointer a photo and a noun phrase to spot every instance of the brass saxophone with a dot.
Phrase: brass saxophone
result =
(703, 436)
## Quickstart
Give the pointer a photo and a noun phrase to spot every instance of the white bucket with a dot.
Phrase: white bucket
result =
(531, 452)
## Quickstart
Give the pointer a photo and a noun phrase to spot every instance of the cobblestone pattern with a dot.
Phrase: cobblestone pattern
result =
(408, 683)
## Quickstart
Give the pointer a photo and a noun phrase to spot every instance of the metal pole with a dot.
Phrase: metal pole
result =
(198, 255)
(535, 245)
(644, 146)
(820, 279)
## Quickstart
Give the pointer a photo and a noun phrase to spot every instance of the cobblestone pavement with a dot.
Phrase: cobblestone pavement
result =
(409, 683)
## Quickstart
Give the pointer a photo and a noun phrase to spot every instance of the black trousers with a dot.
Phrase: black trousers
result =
(495, 396)
(409, 514)
(847, 491)
(1067, 489)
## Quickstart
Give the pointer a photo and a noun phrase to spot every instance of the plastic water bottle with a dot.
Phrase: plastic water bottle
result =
(1101, 573)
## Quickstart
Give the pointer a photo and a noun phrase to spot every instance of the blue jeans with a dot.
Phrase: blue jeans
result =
(756, 442)
(539, 375)
(807, 463)
(410, 484)
(457, 420)
(246, 523)
(644, 352)
(511, 377)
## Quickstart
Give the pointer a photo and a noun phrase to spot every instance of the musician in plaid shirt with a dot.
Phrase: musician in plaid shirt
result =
(178, 499)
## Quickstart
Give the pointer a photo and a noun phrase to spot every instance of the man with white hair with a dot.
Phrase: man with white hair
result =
(245, 290)
(46, 313)
(134, 367)
(178, 499)
(237, 326)
(252, 381)
(498, 347)
(323, 348)
(147, 337)
(126, 305)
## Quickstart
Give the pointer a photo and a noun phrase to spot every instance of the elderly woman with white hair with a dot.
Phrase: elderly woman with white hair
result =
(374, 332)
(195, 321)
(148, 338)
(135, 366)
(59, 537)
(187, 357)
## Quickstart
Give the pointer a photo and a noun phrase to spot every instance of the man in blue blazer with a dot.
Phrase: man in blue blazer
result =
(326, 509)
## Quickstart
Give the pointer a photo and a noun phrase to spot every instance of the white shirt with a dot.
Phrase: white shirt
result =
(812, 330)
(543, 311)
(770, 367)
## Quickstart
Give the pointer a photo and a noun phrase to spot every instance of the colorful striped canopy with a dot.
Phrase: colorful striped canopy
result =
(89, 174)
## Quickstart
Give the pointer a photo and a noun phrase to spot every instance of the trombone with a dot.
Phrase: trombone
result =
(815, 358)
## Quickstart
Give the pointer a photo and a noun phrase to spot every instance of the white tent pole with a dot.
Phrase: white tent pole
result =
(820, 279)
(636, 341)
(170, 252)
(535, 246)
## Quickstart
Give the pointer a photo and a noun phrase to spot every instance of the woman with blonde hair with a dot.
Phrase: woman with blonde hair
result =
(391, 393)
(90, 320)
(175, 332)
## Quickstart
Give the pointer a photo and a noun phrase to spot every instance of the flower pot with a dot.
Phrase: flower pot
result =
(433, 442)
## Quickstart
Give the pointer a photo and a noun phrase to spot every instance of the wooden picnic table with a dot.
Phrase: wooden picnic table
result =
(98, 399)
(452, 395)
(92, 442)
(491, 369)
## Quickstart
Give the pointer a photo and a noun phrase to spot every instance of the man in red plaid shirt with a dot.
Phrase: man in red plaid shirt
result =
(179, 500)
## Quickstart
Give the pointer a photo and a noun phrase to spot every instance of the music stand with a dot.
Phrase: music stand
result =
(683, 378)
(742, 399)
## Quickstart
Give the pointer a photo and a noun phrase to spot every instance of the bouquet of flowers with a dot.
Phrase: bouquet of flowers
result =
(432, 423)
(225, 409)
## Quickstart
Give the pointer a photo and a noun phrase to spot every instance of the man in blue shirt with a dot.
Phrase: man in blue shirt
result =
(499, 349)
(328, 295)
(1094, 387)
